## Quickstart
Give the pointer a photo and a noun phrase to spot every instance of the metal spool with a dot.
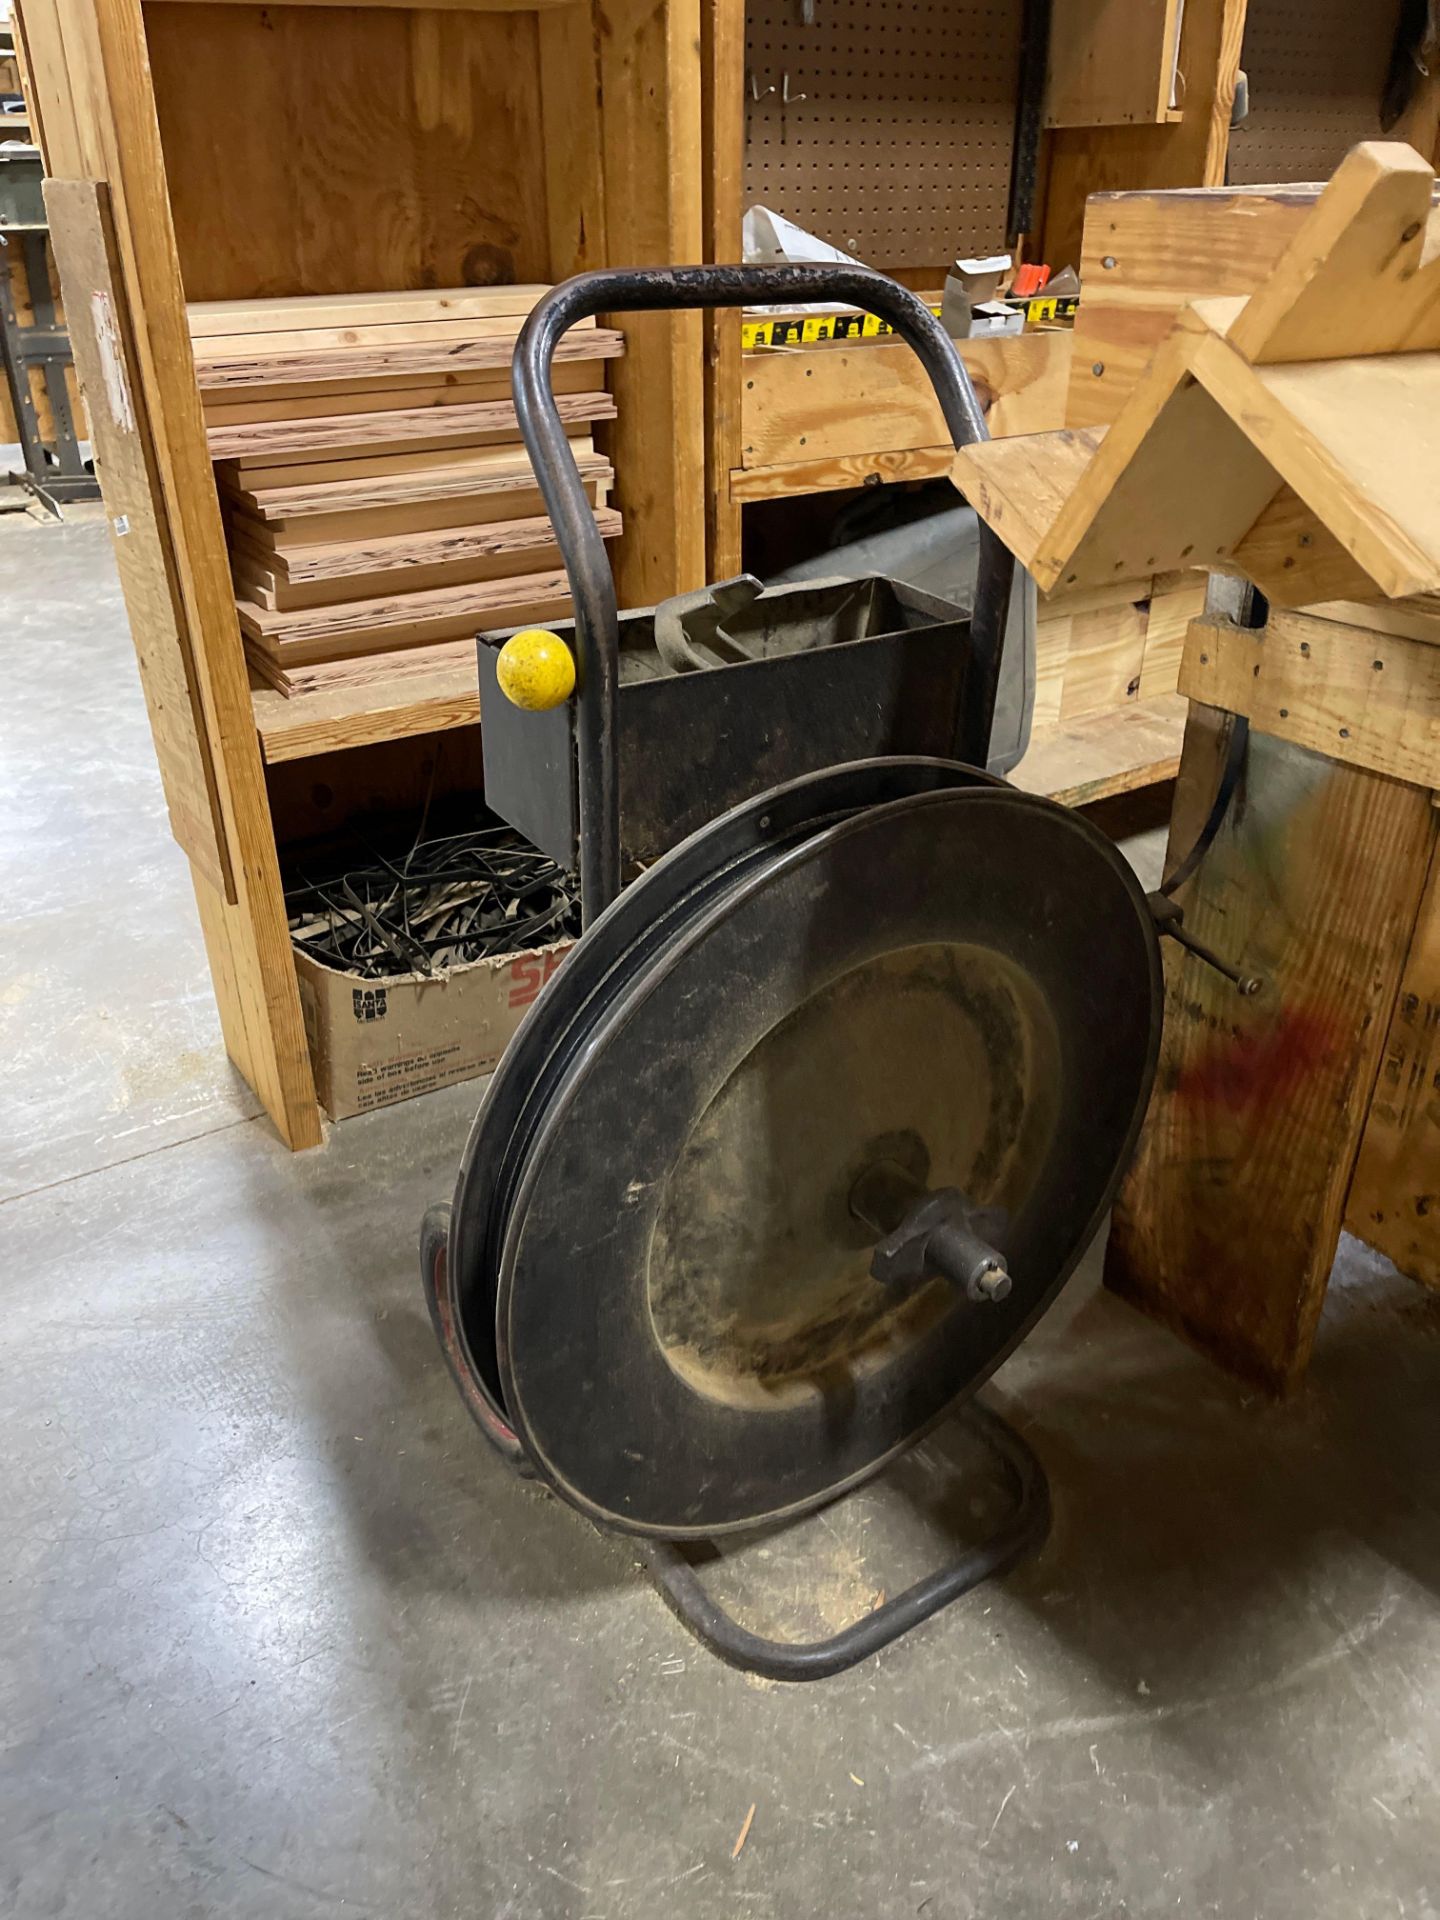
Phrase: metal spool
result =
(661, 1245)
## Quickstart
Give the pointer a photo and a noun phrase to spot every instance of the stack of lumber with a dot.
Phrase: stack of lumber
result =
(380, 508)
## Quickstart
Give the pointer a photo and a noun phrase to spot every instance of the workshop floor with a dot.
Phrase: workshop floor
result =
(281, 1638)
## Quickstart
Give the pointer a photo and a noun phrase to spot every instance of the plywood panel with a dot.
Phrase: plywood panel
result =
(333, 150)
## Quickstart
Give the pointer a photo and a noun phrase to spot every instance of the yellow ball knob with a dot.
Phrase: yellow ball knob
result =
(536, 670)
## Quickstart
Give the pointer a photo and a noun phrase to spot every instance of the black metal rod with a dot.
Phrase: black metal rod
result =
(1020, 1533)
(597, 614)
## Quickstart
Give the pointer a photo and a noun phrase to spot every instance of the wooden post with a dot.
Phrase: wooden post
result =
(97, 123)
(722, 53)
(650, 92)
(1317, 1102)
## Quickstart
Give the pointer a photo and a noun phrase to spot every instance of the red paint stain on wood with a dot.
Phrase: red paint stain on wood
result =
(1261, 1070)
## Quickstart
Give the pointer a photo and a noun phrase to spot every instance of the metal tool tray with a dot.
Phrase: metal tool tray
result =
(690, 745)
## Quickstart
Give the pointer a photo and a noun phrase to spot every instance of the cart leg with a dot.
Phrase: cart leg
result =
(1022, 1532)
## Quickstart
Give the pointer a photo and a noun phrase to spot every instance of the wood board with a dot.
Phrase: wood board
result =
(102, 341)
(211, 318)
(257, 441)
(1367, 699)
(843, 400)
(401, 619)
(268, 368)
(1226, 1225)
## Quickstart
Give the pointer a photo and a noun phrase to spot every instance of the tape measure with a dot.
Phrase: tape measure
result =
(813, 328)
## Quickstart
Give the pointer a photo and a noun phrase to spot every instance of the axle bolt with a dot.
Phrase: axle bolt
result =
(991, 1283)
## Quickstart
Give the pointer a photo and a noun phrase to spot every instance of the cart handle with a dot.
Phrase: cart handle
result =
(597, 614)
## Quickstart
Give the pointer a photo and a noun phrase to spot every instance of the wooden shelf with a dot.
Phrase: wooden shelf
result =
(1088, 760)
(1109, 753)
(303, 724)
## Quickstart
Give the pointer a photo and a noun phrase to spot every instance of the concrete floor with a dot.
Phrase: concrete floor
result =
(280, 1637)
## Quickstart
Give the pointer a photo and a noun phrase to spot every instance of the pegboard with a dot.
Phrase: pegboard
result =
(1316, 68)
(900, 150)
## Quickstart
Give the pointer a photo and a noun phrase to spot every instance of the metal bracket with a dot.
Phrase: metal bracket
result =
(54, 471)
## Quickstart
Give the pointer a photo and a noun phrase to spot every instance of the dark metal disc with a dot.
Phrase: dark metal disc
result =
(622, 940)
(689, 1339)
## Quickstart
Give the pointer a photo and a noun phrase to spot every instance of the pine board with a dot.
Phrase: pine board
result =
(402, 619)
(210, 317)
(368, 433)
(267, 368)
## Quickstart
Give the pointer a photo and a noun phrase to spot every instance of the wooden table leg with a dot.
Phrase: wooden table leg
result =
(1227, 1225)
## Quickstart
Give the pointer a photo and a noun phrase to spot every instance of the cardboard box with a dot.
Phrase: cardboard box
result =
(373, 1042)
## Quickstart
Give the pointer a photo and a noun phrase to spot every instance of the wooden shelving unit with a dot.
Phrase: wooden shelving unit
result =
(214, 152)
(204, 151)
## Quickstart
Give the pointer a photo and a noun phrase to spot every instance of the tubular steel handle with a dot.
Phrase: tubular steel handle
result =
(597, 614)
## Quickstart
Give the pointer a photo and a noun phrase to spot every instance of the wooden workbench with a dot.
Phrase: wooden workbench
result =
(1287, 436)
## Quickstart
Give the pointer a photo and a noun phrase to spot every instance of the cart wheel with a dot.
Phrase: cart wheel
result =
(434, 1277)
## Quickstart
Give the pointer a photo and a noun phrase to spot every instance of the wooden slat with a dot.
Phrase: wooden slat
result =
(481, 474)
(259, 584)
(1145, 256)
(269, 368)
(220, 347)
(834, 402)
(358, 570)
(209, 318)
(313, 399)
(339, 559)
(377, 671)
(1362, 276)
(1227, 1224)
(849, 470)
(1368, 699)
(384, 523)
(407, 456)
(403, 619)
(367, 432)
